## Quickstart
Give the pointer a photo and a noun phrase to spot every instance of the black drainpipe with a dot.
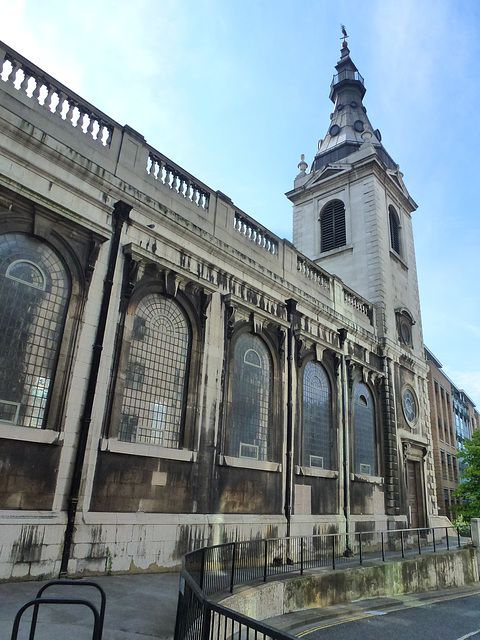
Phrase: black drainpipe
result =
(342, 333)
(121, 211)
(291, 308)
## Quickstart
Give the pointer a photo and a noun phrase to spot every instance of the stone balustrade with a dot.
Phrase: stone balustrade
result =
(53, 96)
(358, 303)
(310, 270)
(182, 183)
(146, 169)
(254, 232)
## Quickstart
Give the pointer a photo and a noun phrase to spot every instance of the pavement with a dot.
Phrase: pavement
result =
(138, 607)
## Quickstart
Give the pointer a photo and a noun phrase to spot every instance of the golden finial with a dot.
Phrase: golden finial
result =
(345, 36)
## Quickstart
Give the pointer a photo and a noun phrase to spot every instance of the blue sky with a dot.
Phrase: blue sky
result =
(235, 90)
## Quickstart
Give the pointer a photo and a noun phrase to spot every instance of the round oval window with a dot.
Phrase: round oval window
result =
(409, 406)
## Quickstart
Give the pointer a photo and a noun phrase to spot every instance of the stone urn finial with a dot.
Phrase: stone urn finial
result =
(302, 165)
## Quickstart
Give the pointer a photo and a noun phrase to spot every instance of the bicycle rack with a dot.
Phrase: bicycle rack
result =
(36, 602)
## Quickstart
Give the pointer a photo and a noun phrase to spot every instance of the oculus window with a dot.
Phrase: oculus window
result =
(251, 399)
(155, 381)
(410, 406)
(364, 440)
(35, 290)
(317, 418)
(332, 226)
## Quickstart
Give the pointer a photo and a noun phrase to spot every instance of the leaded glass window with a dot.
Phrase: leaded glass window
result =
(34, 294)
(365, 453)
(332, 226)
(317, 417)
(251, 392)
(156, 376)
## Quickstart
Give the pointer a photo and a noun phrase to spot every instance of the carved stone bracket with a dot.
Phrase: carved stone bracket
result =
(131, 274)
(93, 250)
(351, 368)
(337, 360)
(300, 350)
(319, 351)
(376, 378)
(257, 323)
(172, 282)
(281, 340)
(231, 311)
(205, 299)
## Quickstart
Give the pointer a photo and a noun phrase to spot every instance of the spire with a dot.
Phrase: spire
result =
(349, 127)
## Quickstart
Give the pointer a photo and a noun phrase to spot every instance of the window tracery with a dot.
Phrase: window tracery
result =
(156, 376)
(35, 289)
(251, 397)
(317, 417)
(364, 433)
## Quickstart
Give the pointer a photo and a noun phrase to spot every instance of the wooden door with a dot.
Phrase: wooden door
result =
(415, 499)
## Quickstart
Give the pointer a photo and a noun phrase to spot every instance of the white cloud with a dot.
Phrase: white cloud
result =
(468, 381)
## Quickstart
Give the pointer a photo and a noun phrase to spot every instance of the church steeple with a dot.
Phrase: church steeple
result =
(349, 126)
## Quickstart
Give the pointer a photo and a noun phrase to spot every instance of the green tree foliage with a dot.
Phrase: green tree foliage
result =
(469, 487)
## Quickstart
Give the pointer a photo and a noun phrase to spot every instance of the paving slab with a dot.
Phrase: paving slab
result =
(138, 607)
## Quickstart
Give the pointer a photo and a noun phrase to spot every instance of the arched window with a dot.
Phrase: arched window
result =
(35, 290)
(317, 417)
(155, 382)
(251, 399)
(364, 440)
(394, 229)
(332, 226)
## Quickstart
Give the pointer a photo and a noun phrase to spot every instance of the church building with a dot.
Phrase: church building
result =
(172, 373)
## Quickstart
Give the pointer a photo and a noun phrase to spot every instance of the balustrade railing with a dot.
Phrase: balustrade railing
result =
(222, 567)
(54, 97)
(313, 273)
(347, 74)
(255, 233)
(182, 183)
(358, 303)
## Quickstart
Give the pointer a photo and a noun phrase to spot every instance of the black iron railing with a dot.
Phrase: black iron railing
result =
(41, 600)
(221, 567)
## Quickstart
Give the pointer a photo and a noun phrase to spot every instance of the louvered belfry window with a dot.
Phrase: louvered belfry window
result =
(394, 229)
(332, 222)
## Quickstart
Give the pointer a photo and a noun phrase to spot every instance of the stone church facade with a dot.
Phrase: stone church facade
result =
(172, 373)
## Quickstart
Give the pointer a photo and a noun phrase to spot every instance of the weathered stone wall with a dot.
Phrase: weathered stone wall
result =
(142, 506)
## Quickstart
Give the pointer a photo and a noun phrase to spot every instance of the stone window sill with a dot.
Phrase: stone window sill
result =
(147, 450)
(315, 472)
(360, 477)
(29, 434)
(247, 463)
(325, 254)
(398, 257)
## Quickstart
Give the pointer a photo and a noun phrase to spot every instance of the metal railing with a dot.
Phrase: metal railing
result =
(221, 567)
(98, 615)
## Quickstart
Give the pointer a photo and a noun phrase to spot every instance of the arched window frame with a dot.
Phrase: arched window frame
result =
(187, 427)
(333, 227)
(329, 433)
(53, 403)
(361, 462)
(274, 411)
(394, 230)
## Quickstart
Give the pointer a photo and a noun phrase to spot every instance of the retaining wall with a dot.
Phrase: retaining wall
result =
(421, 573)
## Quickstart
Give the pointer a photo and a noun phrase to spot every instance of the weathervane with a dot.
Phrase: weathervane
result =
(345, 36)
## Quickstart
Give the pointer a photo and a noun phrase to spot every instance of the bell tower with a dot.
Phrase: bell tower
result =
(352, 214)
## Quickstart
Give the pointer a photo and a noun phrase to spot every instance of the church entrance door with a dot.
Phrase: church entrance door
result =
(415, 501)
